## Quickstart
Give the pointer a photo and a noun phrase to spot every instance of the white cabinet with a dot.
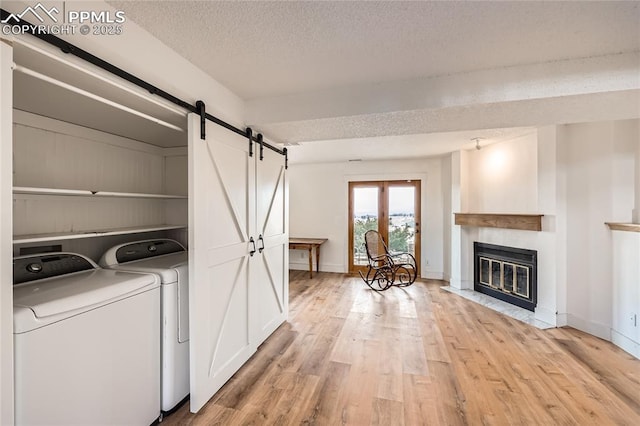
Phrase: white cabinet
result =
(626, 291)
(238, 239)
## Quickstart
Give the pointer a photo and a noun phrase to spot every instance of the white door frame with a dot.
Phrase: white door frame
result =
(6, 234)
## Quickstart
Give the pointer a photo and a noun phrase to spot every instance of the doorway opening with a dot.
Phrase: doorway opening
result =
(390, 207)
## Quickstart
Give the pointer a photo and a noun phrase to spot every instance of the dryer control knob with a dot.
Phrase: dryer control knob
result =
(152, 248)
(34, 267)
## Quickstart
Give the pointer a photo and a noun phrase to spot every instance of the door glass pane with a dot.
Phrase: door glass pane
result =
(402, 220)
(365, 217)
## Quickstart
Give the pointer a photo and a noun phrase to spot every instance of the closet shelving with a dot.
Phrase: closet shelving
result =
(37, 238)
(23, 239)
(66, 89)
(87, 193)
(68, 92)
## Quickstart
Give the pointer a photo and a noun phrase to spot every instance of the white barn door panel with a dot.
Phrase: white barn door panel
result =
(238, 254)
(221, 214)
(271, 286)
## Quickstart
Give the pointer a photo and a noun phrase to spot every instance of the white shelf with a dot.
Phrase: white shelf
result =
(138, 195)
(51, 191)
(21, 239)
(87, 193)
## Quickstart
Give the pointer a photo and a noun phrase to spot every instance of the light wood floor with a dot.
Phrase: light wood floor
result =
(417, 356)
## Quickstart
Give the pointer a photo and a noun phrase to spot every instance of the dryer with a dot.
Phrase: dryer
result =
(168, 260)
(86, 343)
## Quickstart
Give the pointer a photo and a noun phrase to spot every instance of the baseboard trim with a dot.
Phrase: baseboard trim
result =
(546, 315)
(562, 320)
(300, 266)
(602, 331)
(433, 275)
(461, 284)
(623, 342)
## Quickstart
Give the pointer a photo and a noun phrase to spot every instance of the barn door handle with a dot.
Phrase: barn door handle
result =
(262, 240)
(252, 241)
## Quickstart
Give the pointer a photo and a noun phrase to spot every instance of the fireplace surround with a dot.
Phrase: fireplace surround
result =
(506, 273)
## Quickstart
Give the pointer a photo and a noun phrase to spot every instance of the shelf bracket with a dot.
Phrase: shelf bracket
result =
(203, 119)
(250, 136)
(261, 143)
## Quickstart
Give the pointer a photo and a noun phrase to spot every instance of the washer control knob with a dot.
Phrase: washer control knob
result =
(34, 267)
(152, 248)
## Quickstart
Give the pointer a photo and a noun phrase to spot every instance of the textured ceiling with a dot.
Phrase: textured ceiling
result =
(387, 79)
(264, 49)
(399, 147)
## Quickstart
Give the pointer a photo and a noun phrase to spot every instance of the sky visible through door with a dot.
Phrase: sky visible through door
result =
(400, 201)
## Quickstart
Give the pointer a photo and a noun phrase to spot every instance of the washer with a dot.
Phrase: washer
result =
(86, 343)
(168, 260)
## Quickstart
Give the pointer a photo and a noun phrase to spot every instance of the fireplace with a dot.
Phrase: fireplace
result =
(506, 273)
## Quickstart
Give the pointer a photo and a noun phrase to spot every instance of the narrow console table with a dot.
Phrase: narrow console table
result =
(309, 244)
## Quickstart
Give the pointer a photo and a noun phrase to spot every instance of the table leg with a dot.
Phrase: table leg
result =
(310, 262)
(317, 258)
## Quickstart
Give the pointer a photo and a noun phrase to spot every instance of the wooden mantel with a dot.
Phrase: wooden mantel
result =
(528, 222)
(629, 227)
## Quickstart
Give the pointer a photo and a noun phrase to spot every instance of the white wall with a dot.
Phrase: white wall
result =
(447, 215)
(503, 177)
(552, 203)
(319, 200)
(600, 175)
(636, 211)
(461, 274)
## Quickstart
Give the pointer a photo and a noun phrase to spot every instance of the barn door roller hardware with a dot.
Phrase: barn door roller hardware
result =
(203, 119)
(261, 143)
(71, 49)
(250, 136)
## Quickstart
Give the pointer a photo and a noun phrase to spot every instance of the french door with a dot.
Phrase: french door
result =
(390, 207)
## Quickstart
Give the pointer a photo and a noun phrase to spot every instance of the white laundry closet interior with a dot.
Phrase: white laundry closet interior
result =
(87, 166)
(98, 161)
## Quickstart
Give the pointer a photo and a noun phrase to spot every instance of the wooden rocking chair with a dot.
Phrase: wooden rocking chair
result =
(386, 269)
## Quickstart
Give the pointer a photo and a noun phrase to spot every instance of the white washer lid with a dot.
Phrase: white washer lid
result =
(165, 266)
(138, 250)
(42, 302)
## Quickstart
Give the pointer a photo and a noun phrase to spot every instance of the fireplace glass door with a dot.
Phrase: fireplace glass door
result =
(507, 273)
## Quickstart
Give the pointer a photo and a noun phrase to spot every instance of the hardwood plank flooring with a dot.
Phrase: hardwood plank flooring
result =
(419, 355)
